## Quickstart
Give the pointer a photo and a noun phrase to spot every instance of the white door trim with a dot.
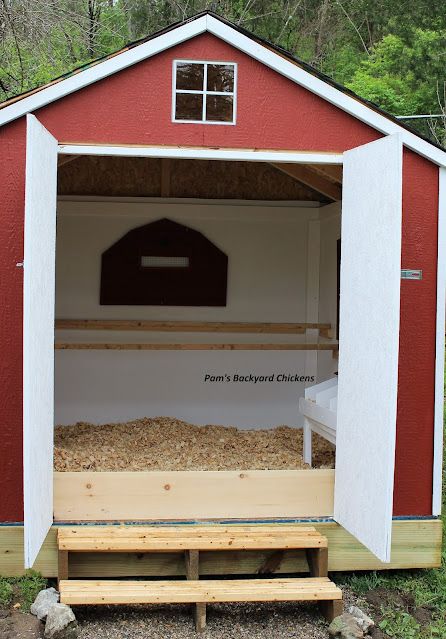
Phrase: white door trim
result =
(439, 347)
(369, 332)
(38, 335)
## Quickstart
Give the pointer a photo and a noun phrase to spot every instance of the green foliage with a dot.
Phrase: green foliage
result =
(29, 586)
(402, 77)
(6, 592)
(400, 625)
(22, 590)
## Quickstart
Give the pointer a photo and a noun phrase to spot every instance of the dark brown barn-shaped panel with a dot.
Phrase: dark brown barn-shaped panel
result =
(164, 263)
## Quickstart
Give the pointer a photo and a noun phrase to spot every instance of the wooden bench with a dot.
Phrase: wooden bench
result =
(191, 540)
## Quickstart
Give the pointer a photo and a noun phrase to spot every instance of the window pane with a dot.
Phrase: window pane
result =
(161, 261)
(219, 108)
(190, 76)
(220, 77)
(189, 106)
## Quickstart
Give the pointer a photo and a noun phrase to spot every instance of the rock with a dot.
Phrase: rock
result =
(345, 627)
(376, 633)
(61, 623)
(44, 600)
(363, 620)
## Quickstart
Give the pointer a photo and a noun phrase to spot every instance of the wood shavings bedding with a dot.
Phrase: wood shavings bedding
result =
(166, 443)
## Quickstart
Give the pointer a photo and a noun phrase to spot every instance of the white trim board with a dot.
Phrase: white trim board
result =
(201, 153)
(439, 348)
(271, 59)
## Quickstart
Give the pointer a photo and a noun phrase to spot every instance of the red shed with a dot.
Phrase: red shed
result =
(205, 185)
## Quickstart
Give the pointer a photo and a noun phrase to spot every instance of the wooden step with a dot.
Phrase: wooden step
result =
(179, 538)
(80, 592)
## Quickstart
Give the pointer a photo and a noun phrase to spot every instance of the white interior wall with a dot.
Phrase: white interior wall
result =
(330, 232)
(267, 281)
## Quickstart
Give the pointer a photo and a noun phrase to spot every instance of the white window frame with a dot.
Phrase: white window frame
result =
(204, 92)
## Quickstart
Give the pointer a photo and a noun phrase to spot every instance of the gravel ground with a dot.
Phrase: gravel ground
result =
(165, 443)
(224, 621)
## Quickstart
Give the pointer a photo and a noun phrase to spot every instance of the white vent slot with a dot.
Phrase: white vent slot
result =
(161, 261)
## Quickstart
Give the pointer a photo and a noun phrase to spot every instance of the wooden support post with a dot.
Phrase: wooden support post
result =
(318, 564)
(318, 561)
(331, 609)
(191, 558)
(62, 569)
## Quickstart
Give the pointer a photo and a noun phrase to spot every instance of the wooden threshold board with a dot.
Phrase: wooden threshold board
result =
(200, 494)
(322, 346)
(189, 327)
(86, 592)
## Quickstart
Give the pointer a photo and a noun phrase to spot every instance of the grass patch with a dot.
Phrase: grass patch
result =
(400, 625)
(22, 590)
(6, 592)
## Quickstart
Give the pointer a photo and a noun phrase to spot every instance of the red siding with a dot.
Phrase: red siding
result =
(415, 422)
(134, 107)
(12, 184)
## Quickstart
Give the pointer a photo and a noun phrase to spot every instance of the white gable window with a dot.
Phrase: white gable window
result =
(204, 92)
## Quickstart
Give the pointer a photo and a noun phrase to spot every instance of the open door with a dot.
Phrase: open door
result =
(38, 334)
(369, 341)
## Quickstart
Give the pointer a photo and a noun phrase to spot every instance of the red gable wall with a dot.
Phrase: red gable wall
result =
(134, 107)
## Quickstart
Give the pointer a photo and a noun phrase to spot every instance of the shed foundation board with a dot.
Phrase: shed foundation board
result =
(415, 544)
(240, 494)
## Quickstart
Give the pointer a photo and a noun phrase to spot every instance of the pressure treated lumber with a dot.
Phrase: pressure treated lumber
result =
(188, 326)
(180, 538)
(192, 559)
(415, 544)
(86, 592)
(62, 565)
(194, 347)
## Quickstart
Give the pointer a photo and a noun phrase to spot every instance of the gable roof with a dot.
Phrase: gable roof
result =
(272, 56)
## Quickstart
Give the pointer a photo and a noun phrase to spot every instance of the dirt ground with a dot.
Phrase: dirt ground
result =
(165, 443)
(17, 625)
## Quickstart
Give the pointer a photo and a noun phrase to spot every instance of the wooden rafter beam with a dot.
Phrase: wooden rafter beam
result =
(330, 172)
(66, 159)
(310, 178)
